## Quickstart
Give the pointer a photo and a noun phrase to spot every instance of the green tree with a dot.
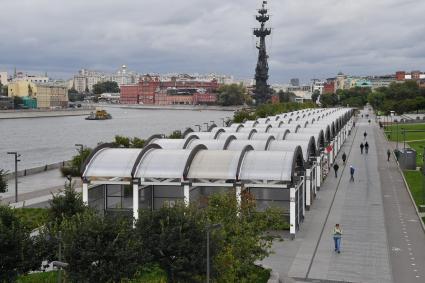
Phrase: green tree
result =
(3, 182)
(77, 161)
(245, 236)
(106, 87)
(233, 94)
(17, 255)
(315, 95)
(65, 205)
(176, 239)
(127, 142)
(328, 100)
(176, 135)
(101, 249)
(286, 96)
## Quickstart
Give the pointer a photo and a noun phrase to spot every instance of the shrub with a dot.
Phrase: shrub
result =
(17, 255)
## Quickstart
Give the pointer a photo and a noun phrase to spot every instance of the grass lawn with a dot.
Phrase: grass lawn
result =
(41, 277)
(409, 135)
(414, 179)
(32, 217)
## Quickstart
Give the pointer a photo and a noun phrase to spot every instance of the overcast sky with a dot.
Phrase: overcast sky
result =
(310, 38)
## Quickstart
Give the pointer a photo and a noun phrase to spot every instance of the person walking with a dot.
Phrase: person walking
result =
(344, 158)
(388, 155)
(336, 167)
(364, 135)
(366, 147)
(337, 234)
(352, 173)
(361, 148)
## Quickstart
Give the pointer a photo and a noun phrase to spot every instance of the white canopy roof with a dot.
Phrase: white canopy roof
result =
(112, 162)
(266, 165)
(215, 164)
(162, 163)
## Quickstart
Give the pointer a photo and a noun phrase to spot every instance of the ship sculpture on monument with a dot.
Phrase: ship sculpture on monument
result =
(262, 92)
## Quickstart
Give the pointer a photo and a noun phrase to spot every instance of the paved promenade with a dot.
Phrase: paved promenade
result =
(382, 237)
(34, 189)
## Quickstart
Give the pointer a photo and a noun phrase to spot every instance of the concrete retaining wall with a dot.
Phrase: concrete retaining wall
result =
(35, 170)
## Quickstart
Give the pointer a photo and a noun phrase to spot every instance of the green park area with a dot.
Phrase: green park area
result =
(414, 180)
(413, 136)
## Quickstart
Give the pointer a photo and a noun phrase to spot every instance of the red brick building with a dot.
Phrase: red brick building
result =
(400, 75)
(329, 87)
(150, 90)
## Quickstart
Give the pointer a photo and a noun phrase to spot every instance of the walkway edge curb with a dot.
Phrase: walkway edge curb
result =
(408, 189)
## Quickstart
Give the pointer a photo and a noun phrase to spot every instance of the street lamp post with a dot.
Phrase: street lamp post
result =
(397, 135)
(209, 228)
(16, 172)
(404, 139)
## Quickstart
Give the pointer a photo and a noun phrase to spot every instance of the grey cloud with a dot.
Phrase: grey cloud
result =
(310, 38)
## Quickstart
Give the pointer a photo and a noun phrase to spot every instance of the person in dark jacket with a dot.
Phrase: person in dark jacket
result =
(388, 155)
(344, 157)
(366, 147)
(361, 148)
(352, 173)
(365, 135)
(336, 167)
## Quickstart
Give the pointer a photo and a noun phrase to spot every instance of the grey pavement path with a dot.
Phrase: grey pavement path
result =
(358, 207)
(383, 240)
(33, 187)
(292, 258)
(406, 238)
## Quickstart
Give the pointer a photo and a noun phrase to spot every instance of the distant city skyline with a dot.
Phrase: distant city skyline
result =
(311, 39)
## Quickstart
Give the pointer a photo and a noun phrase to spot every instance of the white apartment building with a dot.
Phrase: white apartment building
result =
(3, 78)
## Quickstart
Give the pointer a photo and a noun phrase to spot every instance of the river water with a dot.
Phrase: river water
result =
(42, 141)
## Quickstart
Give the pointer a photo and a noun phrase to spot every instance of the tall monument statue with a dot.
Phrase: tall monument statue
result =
(262, 89)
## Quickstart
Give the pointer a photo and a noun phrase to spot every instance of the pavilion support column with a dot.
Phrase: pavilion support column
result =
(292, 224)
(135, 200)
(314, 179)
(308, 189)
(318, 172)
(238, 191)
(186, 193)
(85, 192)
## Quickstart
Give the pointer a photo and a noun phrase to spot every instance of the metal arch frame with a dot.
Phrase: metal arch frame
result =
(145, 150)
(190, 158)
(212, 126)
(241, 158)
(189, 140)
(238, 127)
(187, 131)
(228, 141)
(89, 159)
(266, 120)
(218, 133)
(255, 123)
(253, 131)
(154, 137)
(285, 133)
(269, 140)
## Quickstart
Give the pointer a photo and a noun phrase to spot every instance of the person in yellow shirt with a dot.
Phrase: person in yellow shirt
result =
(337, 233)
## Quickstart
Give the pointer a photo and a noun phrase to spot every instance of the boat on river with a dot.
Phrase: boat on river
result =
(100, 114)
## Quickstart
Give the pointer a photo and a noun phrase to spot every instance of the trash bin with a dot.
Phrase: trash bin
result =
(407, 159)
